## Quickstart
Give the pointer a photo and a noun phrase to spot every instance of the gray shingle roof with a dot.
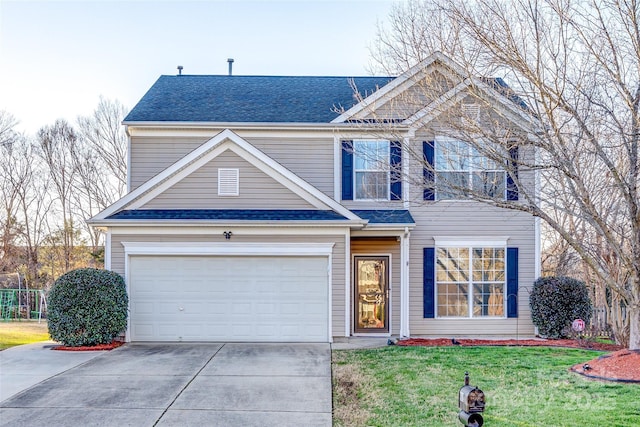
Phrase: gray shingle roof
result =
(386, 216)
(382, 216)
(228, 214)
(257, 99)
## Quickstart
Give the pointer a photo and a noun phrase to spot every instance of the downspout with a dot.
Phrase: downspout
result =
(126, 130)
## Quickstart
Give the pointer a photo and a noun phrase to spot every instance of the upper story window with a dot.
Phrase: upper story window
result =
(371, 170)
(461, 169)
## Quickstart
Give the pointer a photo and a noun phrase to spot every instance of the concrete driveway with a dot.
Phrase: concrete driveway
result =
(234, 384)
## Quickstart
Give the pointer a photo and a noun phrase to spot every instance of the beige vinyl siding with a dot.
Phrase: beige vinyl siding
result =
(470, 220)
(373, 204)
(151, 155)
(413, 99)
(382, 246)
(467, 219)
(199, 190)
(337, 265)
(309, 158)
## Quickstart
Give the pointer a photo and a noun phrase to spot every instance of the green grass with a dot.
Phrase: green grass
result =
(25, 332)
(524, 386)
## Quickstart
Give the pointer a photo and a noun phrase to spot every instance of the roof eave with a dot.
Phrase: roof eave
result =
(258, 125)
(385, 226)
(223, 222)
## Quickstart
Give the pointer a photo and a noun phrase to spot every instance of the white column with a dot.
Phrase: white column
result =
(404, 284)
(107, 250)
(347, 284)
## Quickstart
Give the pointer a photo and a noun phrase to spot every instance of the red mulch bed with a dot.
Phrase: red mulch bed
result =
(99, 347)
(621, 365)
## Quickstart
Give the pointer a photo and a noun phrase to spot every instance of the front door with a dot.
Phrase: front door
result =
(371, 294)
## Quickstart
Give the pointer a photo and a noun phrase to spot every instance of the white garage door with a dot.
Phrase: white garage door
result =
(214, 298)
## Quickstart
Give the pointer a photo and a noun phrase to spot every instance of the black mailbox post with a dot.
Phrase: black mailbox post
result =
(471, 404)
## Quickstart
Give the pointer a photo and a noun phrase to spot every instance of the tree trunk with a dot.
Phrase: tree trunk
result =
(634, 327)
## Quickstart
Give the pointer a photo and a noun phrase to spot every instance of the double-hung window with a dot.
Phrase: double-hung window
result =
(371, 169)
(461, 170)
(470, 281)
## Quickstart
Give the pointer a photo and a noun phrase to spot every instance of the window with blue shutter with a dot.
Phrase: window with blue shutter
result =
(347, 170)
(472, 281)
(371, 170)
(395, 160)
(427, 172)
(512, 188)
(429, 282)
(512, 282)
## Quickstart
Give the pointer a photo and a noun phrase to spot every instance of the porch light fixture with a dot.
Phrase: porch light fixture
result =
(227, 234)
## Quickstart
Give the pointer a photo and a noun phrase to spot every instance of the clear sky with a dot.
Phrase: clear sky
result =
(58, 57)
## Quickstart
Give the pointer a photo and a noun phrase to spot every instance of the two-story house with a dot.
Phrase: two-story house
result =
(271, 208)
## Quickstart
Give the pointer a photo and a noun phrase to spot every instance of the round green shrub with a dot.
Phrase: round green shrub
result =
(556, 302)
(87, 307)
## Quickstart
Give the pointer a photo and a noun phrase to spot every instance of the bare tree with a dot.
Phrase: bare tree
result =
(11, 178)
(35, 205)
(100, 161)
(7, 128)
(104, 135)
(57, 143)
(575, 66)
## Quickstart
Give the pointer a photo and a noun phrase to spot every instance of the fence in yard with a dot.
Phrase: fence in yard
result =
(600, 318)
(22, 304)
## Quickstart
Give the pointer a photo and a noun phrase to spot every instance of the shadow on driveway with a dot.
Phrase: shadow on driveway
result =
(234, 384)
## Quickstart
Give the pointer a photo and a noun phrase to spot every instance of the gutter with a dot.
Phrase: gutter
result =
(257, 125)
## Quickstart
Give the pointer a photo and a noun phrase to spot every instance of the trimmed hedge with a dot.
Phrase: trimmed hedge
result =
(87, 307)
(556, 302)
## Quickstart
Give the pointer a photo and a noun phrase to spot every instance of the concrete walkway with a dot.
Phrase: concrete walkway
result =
(178, 385)
(26, 365)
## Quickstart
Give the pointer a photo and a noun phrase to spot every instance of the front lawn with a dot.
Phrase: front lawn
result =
(24, 332)
(524, 386)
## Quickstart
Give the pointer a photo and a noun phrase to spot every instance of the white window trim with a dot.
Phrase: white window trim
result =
(355, 170)
(470, 243)
(483, 241)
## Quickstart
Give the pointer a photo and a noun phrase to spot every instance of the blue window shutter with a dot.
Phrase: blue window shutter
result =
(429, 282)
(347, 170)
(395, 161)
(427, 172)
(512, 188)
(512, 282)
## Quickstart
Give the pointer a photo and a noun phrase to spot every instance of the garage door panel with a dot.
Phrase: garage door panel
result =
(209, 298)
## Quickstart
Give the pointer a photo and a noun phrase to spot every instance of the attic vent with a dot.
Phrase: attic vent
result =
(228, 182)
(471, 111)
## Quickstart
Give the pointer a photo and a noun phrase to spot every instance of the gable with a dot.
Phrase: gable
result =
(427, 89)
(199, 190)
(206, 153)
(419, 91)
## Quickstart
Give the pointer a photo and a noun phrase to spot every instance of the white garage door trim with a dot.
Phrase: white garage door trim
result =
(231, 249)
